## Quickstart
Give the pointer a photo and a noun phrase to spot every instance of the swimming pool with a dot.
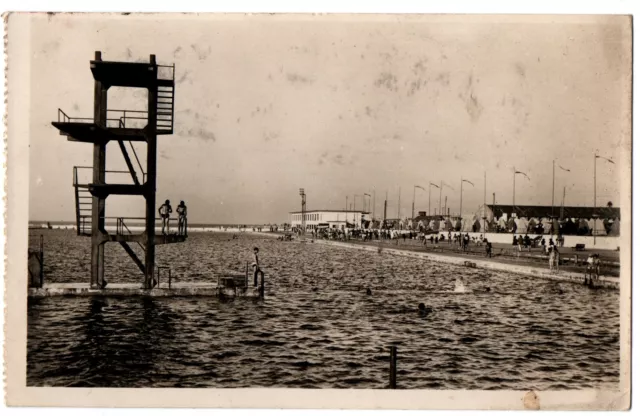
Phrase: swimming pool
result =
(317, 327)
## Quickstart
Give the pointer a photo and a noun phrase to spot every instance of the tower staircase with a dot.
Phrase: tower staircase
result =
(165, 107)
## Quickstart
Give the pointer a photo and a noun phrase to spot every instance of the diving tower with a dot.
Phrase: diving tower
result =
(124, 127)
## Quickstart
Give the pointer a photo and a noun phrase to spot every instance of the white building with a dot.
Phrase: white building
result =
(325, 218)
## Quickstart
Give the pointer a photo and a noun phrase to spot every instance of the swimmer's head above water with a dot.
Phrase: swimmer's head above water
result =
(423, 310)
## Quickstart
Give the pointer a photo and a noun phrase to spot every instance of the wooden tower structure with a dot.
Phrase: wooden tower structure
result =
(123, 127)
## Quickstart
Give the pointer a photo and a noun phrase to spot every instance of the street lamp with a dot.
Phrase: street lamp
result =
(368, 205)
(430, 185)
(595, 215)
(304, 208)
(516, 172)
(413, 204)
(461, 182)
(553, 185)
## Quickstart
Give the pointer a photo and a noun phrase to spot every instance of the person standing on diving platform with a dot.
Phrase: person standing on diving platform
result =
(165, 211)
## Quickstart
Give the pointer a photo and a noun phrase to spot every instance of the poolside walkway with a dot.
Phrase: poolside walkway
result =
(533, 270)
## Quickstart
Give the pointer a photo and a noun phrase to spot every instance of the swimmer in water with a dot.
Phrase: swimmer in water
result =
(459, 286)
(423, 310)
(369, 292)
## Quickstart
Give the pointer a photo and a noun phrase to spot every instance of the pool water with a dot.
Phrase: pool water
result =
(317, 327)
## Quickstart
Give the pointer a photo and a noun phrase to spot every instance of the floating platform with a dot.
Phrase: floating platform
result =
(178, 289)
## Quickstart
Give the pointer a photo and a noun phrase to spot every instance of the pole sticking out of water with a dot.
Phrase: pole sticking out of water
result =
(261, 284)
(393, 361)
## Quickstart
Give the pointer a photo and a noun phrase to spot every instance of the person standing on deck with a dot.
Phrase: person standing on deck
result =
(165, 211)
(553, 258)
(182, 218)
(487, 246)
(256, 266)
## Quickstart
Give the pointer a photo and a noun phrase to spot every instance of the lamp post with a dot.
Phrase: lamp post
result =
(413, 204)
(461, 182)
(553, 187)
(304, 208)
(595, 215)
(516, 172)
(399, 191)
(373, 213)
(430, 185)
(369, 204)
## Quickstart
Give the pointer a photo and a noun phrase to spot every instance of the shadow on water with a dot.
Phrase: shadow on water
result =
(118, 341)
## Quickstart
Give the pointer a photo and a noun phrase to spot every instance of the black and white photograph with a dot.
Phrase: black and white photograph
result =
(322, 202)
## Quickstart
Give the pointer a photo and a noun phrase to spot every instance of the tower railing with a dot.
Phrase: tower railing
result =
(78, 183)
(129, 118)
(171, 69)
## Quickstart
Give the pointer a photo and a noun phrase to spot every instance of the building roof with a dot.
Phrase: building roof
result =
(541, 211)
(310, 211)
(428, 218)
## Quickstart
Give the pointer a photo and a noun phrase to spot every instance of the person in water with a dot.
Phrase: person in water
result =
(423, 310)
(593, 269)
(182, 218)
(165, 211)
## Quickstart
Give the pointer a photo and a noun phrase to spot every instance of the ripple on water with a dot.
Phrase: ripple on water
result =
(317, 328)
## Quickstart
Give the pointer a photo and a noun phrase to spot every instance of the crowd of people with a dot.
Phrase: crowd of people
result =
(548, 246)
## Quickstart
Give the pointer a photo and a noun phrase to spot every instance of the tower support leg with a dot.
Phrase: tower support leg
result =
(150, 184)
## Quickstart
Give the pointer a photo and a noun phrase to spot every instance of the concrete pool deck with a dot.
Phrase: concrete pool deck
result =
(522, 269)
(182, 289)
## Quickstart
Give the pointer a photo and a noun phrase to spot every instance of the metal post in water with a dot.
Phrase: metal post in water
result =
(169, 278)
(261, 284)
(41, 260)
(393, 361)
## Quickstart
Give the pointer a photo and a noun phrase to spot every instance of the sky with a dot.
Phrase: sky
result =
(342, 106)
